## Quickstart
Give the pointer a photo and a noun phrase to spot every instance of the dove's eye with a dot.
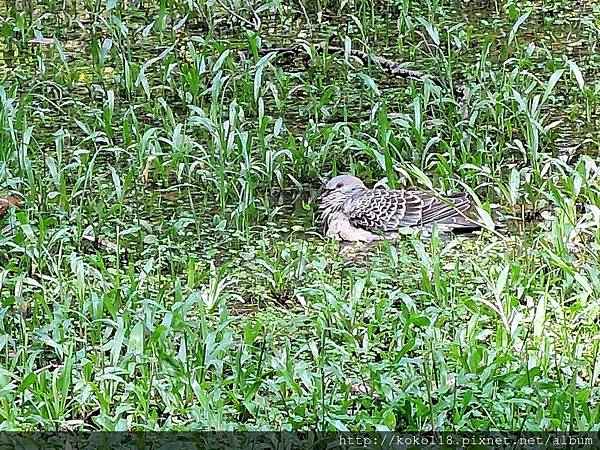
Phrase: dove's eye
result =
(339, 185)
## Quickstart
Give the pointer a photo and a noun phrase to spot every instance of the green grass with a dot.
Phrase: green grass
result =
(211, 301)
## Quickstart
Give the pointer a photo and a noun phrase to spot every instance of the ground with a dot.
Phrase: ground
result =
(164, 268)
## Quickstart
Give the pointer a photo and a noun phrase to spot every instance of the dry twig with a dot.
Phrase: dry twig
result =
(393, 68)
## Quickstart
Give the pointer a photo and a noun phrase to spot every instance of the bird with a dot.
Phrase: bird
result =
(352, 212)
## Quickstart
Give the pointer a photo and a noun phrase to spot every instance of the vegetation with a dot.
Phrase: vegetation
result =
(164, 269)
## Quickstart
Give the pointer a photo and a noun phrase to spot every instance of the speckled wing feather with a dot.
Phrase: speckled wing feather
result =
(384, 210)
(388, 210)
(447, 211)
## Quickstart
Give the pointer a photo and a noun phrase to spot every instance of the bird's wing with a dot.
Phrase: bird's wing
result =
(447, 211)
(385, 210)
(388, 210)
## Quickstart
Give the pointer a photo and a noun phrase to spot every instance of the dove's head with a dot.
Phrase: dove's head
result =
(343, 183)
(337, 191)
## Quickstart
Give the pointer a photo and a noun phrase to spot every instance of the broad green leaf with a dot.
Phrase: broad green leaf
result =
(221, 60)
(117, 183)
(552, 84)
(501, 282)
(540, 316)
(516, 26)
(136, 339)
(513, 186)
(257, 81)
(578, 76)
(431, 30)
(27, 381)
(420, 175)
(389, 420)
(370, 83)
(583, 281)
(485, 217)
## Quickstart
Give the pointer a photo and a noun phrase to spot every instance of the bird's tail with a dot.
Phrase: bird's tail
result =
(455, 214)
(460, 222)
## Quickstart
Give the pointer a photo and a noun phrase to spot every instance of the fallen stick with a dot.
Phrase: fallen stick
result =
(392, 67)
(389, 66)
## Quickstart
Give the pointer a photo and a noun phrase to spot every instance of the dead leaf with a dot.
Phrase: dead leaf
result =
(172, 196)
(101, 242)
(6, 203)
(42, 41)
(146, 172)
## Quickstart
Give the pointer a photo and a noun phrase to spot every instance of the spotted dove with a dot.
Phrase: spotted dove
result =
(353, 212)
